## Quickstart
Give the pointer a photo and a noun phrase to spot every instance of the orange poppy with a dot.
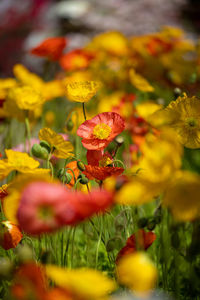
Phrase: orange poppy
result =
(10, 235)
(73, 166)
(29, 283)
(51, 48)
(75, 60)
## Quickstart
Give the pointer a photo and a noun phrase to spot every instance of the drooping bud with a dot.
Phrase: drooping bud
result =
(80, 165)
(70, 125)
(45, 145)
(142, 222)
(83, 179)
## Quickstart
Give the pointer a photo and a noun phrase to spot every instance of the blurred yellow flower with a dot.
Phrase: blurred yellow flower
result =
(20, 162)
(82, 91)
(26, 98)
(112, 42)
(83, 283)
(146, 109)
(140, 82)
(154, 171)
(187, 121)
(137, 272)
(5, 85)
(182, 196)
(59, 147)
(49, 118)
(27, 78)
(53, 89)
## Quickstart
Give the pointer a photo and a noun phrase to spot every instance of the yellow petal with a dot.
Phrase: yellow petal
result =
(10, 206)
(137, 272)
(83, 283)
(20, 161)
(62, 148)
(82, 91)
(140, 82)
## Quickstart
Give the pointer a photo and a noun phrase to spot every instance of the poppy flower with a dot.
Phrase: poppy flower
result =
(51, 48)
(98, 168)
(60, 147)
(98, 132)
(73, 166)
(20, 162)
(10, 235)
(75, 60)
(82, 283)
(29, 283)
(142, 240)
(44, 208)
(137, 272)
(86, 205)
(82, 91)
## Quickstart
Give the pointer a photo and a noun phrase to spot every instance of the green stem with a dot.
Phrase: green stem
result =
(84, 113)
(28, 133)
(99, 241)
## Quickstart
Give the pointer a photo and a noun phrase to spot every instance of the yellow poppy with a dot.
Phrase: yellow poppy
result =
(25, 97)
(82, 91)
(20, 162)
(59, 147)
(187, 121)
(83, 283)
(139, 82)
(137, 272)
(182, 196)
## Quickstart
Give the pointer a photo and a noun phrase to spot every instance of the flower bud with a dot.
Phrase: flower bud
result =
(70, 125)
(68, 177)
(46, 145)
(36, 150)
(151, 224)
(119, 140)
(142, 222)
(24, 253)
(6, 268)
(39, 151)
(177, 92)
(83, 179)
(80, 165)
(61, 172)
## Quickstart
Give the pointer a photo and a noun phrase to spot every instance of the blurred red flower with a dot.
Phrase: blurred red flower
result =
(141, 239)
(51, 48)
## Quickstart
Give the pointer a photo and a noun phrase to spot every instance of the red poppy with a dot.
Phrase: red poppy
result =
(29, 283)
(51, 48)
(156, 46)
(89, 204)
(44, 207)
(10, 235)
(98, 132)
(98, 168)
(75, 60)
(142, 240)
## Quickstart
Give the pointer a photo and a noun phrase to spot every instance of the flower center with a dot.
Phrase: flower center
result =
(101, 131)
(191, 122)
(45, 212)
(105, 161)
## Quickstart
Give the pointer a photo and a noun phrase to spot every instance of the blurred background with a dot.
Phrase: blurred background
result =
(25, 23)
